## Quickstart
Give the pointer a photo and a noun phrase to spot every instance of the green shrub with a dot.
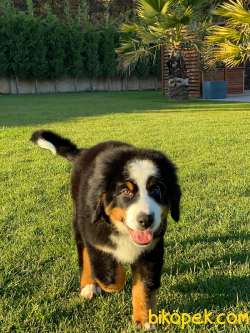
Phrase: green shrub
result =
(46, 48)
(55, 42)
(107, 53)
(39, 62)
(92, 65)
(74, 64)
(5, 41)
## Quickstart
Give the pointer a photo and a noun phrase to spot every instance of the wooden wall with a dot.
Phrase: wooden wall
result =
(193, 71)
(234, 77)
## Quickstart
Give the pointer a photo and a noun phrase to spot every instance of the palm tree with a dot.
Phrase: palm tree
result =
(169, 23)
(230, 43)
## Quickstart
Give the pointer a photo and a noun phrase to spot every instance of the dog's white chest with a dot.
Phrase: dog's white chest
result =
(126, 251)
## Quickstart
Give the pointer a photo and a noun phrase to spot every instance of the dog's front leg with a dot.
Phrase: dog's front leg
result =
(108, 273)
(146, 280)
(143, 299)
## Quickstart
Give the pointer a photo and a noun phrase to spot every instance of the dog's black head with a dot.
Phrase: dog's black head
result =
(134, 189)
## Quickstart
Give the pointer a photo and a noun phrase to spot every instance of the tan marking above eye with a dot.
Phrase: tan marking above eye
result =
(130, 186)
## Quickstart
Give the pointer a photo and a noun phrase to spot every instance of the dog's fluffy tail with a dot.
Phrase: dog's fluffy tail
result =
(56, 144)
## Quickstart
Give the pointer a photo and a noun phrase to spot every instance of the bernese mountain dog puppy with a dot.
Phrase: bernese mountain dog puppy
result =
(121, 198)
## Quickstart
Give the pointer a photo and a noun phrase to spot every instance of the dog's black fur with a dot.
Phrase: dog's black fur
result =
(97, 171)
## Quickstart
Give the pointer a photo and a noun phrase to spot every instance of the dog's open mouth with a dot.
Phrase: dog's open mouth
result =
(141, 237)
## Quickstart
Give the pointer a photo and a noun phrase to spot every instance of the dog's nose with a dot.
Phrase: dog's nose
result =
(145, 220)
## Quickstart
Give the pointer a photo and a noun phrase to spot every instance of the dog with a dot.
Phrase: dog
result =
(122, 196)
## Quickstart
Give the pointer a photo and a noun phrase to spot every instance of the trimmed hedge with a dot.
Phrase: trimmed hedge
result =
(46, 48)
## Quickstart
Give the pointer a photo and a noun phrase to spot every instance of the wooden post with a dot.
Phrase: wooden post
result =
(192, 61)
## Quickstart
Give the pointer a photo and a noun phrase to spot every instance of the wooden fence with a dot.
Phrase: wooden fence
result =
(235, 77)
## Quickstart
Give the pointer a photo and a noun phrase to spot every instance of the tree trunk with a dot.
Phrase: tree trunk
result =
(177, 80)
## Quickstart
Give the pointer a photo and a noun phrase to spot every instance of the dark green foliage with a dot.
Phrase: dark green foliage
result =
(74, 51)
(39, 63)
(5, 47)
(91, 54)
(148, 67)
(23, 47)
(30, 7)
(46, 48)
(142, 68)
(55, 34)
(155, 65)
(107, 53)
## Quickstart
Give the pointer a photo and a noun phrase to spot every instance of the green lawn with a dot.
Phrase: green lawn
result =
(206, 253)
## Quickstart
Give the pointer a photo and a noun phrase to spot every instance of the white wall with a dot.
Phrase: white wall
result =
(16, 86)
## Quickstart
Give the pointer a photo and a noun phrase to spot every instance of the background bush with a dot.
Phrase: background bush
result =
(48, 48)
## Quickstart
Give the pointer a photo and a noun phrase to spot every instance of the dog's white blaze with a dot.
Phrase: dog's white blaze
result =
(46, 145)
(140, 171)
(126, 250)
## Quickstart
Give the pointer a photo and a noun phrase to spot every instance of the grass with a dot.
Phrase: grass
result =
(206, 253)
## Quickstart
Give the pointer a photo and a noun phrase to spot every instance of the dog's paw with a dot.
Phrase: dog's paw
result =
(89, 291)
(145, 326)
(149, 327)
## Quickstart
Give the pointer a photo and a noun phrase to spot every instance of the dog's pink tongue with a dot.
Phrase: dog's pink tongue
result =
(142, 236)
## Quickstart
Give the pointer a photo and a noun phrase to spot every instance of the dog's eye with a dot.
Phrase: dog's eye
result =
(155, 190)
(127, 193)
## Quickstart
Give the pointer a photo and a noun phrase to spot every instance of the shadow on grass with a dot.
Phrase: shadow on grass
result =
(210, 292)
(185, 267)
(216, 290)
(44, 109)
(242, 236)
(26, 287)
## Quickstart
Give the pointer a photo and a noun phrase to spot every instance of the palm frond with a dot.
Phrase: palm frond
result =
(235, 11)
(132, 50)
(147, 9)
(161, 22)
(218, 34)
(129, 28)
(230, 43)
(230, 54)
(165, 7)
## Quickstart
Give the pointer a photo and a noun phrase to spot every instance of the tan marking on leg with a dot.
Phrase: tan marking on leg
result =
(119, 281)
(86, 275)
(141, 301)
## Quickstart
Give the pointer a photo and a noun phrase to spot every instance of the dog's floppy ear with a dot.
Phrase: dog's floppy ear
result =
(172, 191)
(97, 211)
(175, 203)
(96, 200)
